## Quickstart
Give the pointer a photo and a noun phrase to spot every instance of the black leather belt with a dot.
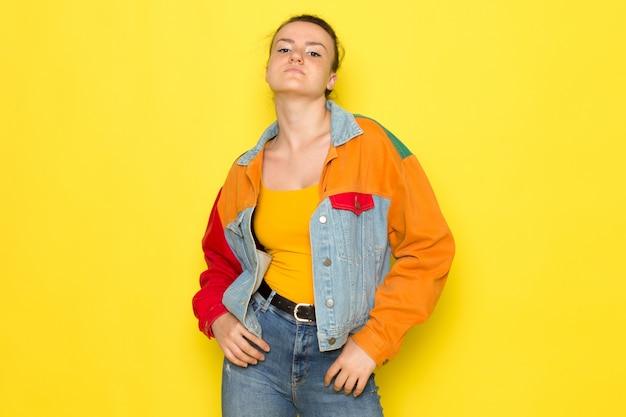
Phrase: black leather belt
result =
(301, 312)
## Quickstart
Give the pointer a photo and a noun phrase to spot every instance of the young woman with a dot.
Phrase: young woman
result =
(299, 292)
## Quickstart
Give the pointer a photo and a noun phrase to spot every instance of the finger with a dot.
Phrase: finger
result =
(248, 349)
(239, 340)
(340, 381)
(239, 351)
(360, 387)
(348, 386)
(262, 344)
(234, 359)
(330, 374)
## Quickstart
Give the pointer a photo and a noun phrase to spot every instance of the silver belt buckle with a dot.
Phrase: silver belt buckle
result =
(295, 312)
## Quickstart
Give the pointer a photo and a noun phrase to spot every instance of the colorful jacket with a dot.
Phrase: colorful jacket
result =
(381, 249)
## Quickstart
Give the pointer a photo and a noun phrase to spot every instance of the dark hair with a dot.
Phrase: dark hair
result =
(324, 25)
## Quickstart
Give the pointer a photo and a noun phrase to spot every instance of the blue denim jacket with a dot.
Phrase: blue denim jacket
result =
(350, 253)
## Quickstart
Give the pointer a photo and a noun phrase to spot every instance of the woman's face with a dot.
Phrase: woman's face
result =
(300, 61)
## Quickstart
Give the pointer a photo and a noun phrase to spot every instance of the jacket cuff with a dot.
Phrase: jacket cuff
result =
(205, 325)
(373, 346)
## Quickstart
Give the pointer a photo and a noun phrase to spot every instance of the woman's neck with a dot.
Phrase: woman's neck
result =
(301, 122)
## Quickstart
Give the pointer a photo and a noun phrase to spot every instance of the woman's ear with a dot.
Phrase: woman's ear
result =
(331, 81)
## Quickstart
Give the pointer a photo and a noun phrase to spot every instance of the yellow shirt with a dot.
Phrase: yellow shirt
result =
(281, 225)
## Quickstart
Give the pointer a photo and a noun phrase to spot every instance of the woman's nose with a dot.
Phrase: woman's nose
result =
(295, 57)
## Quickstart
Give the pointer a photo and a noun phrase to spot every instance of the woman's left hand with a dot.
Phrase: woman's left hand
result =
(351, 369)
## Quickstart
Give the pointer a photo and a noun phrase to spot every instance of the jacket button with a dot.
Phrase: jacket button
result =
(323, 219)
(327, 262)
(330, 303)
(331, 341)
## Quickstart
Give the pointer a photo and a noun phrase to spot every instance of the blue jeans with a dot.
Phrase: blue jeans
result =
(290, 381)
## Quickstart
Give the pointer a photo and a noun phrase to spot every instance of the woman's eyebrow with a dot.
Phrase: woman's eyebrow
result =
(308, 43)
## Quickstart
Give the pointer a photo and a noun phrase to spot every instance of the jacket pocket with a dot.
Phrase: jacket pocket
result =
(352, 225)
(355, 202)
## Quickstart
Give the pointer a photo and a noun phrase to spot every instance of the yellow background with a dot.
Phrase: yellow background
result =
(119, 120)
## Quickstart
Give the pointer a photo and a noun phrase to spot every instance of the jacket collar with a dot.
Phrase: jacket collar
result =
(343, 127)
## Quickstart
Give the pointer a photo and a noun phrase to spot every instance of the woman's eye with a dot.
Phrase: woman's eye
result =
(283, 50)
(313, 53)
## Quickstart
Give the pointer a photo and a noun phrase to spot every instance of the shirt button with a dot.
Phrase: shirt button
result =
(327, 262)
(323, 219)
(331, 341)
(330, 303)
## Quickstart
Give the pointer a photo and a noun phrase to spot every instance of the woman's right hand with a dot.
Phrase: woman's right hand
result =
(234, 340)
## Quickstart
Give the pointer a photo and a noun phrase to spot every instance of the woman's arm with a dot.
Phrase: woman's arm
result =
(423, 247)
(223, 269)
(213, 318)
